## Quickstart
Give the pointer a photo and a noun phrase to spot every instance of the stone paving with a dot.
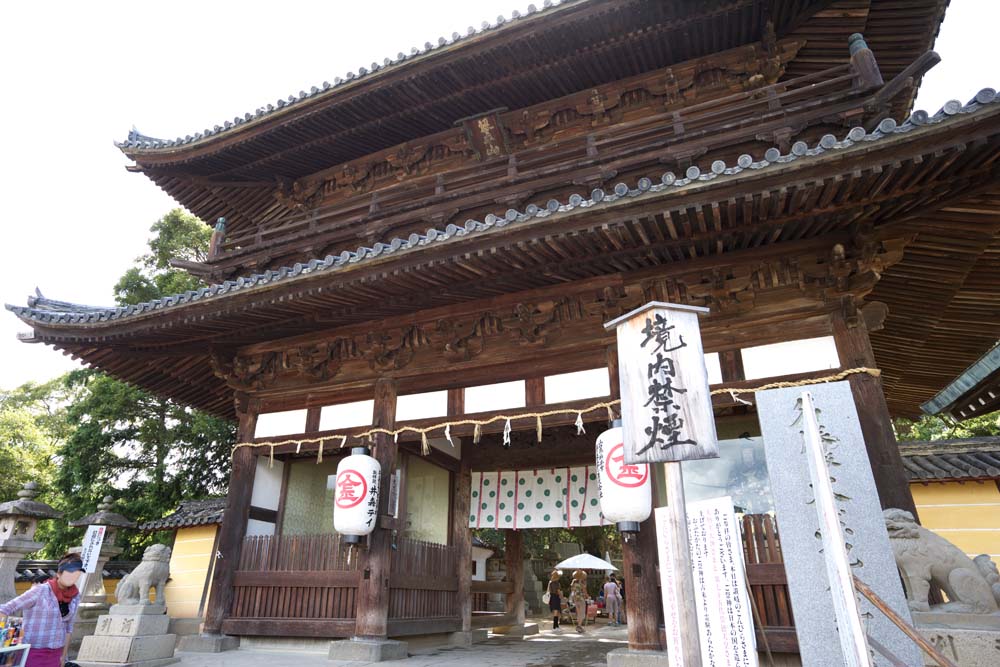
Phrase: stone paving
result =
(546, 649)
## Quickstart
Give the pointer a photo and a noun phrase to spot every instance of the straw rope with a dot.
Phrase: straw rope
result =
(537, 416)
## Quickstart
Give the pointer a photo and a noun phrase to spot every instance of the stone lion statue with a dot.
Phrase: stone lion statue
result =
(924, 558)
(152, 572)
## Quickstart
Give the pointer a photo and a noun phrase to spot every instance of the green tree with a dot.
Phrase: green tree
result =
(145, 451)
(938, 428)
(32, 425)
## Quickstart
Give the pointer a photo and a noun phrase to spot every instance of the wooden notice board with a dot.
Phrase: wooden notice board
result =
(666, 405)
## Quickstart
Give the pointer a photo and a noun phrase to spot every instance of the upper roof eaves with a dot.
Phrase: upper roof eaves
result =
(137, 143)
(49, 312)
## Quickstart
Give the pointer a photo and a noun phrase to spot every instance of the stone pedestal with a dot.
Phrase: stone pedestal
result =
(94, 599)
(367, 650)
(969, 640)
(130, 636)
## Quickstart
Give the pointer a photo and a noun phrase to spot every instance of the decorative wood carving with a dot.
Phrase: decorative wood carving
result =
(824, 279)
(301, 195)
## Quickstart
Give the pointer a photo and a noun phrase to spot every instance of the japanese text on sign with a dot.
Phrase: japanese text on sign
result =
(667, 425)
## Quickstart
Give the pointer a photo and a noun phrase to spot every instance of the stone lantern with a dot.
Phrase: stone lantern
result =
(94, 599)
(18, 521)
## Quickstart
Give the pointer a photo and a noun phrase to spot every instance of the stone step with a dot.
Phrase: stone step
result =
(126, 650)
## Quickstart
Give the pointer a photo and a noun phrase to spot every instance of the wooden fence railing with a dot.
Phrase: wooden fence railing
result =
(294, 585)
(768, 584)
(423, 588)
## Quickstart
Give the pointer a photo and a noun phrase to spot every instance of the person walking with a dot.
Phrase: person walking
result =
(49, 609)
(612, 600)
(555, 599)
(578, 598)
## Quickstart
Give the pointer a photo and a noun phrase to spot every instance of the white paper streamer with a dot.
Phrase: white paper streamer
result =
(506, 434)
(447, 434)
(579, 424)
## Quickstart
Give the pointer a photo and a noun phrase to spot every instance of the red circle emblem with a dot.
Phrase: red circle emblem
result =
(351, 489)
(624, 474)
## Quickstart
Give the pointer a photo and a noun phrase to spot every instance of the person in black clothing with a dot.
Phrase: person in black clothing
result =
(555, 599)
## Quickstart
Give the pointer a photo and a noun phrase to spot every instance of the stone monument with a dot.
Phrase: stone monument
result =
(18, 522)
(966, 627)
(94, 599)
(867, 544)
(134, 633)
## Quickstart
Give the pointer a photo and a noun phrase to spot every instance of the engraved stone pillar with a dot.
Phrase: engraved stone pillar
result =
(94, 599)
(18, 522)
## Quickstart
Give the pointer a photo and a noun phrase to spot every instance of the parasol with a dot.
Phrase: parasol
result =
(585, 562)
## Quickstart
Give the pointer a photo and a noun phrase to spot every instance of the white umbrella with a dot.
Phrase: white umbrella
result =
(585, 562)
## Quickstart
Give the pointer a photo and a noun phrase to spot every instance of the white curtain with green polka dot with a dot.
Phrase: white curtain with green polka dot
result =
(541, 498)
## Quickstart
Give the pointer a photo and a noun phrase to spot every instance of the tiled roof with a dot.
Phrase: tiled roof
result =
(46, 311)
(39, 570)
(190, 513)
(974, 458)
(137, 140)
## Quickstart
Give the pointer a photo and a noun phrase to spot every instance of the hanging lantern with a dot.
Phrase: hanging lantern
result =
(625, 489)
(355, 505)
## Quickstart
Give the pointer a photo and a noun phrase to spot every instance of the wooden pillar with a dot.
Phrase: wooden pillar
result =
(855, 350)
(461, 538)
(234, 522)
(373, 591)
(639, 557)
(514, 561)
(461, 534)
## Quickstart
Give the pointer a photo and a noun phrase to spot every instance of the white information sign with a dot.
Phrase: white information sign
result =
(91, 551)
(666, 404)
(725, 621)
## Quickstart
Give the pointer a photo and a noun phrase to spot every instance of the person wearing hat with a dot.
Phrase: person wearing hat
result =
(49, 610)
(578, 598)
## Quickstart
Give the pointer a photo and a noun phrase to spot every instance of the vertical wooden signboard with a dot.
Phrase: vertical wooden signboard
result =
(666, 405)
(667, 417)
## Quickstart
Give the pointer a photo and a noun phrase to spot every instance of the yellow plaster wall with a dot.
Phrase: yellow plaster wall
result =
(189, 563)
(966, 514)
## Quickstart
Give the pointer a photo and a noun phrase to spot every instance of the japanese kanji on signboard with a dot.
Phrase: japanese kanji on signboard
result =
(625, 490)
(666, 404)
(355, 504)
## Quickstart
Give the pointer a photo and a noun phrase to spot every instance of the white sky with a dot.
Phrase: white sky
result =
(76, 76)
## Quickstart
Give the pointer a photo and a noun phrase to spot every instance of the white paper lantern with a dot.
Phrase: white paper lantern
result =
(625, 489)
(355, 499)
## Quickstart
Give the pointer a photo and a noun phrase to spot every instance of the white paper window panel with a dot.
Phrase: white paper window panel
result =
(581, 384)
(713, 367)
(346, 415)
(422, 406)
(267, 484)
(488, 397)
(787, 358)
(280, 423)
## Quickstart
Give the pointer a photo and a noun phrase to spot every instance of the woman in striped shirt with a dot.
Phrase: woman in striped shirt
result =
(49, 609)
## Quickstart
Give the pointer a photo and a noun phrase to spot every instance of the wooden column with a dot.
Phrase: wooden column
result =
(639, 557)
(855, 350)
(514, 561)
(373, 591)
(461, 538)
(234, 522)
(461, 534)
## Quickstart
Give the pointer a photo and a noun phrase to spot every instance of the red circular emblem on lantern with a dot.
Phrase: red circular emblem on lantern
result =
(351, 489)
(624, 474)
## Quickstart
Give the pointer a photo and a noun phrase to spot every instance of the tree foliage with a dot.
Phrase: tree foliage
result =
(938, 428)
(107, 437)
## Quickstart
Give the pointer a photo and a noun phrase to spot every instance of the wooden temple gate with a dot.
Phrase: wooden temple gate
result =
(750, 157)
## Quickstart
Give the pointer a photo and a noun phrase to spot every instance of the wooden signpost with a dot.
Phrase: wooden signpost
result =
(667, 418)
(666, 405)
